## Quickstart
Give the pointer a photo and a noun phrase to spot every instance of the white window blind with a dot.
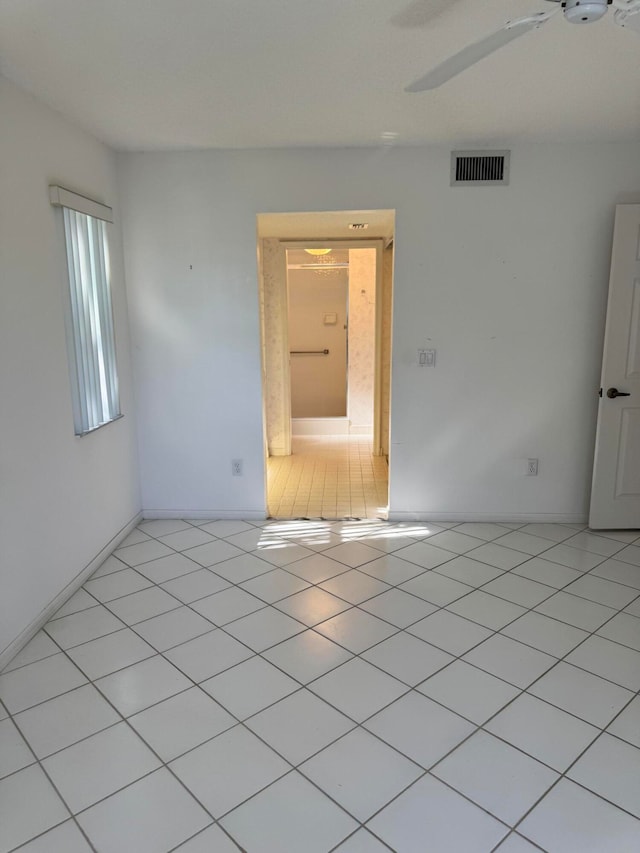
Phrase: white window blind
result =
(93, 355)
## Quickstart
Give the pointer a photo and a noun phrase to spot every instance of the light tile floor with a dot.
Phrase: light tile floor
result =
(328, 476)
(305, 687)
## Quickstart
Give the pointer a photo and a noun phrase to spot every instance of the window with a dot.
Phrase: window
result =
(94, 376)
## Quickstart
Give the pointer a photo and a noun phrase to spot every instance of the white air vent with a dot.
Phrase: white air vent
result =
(479, 168)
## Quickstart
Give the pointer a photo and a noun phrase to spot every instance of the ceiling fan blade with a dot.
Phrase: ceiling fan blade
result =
(420, 13)
(478, 50)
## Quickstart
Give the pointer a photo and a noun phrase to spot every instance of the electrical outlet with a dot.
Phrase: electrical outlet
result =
(236, 467)
(427, 357)
(532, 467)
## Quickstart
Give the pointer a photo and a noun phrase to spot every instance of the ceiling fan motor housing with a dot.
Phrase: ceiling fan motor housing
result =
(584, 11)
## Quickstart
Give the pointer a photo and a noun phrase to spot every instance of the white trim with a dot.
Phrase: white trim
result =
(60, 197)
(377, 366)
(362, 429)
(28, 633)
(213, 514)
(276, 450)
(285, 402)
(496, 517)
(320, 426)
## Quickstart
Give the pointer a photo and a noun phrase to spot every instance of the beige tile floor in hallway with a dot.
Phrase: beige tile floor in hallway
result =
(328, 476)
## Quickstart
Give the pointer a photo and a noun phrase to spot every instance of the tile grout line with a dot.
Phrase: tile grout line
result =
(350, 603)
(356, 725)
(412, 689)
(442, 607)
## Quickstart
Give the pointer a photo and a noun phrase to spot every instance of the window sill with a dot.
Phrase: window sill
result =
(100, 426)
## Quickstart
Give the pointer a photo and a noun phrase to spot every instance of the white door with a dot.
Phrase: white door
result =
(615, 494)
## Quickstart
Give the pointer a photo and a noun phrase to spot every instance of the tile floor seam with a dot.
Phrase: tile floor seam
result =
(336, 849)
(620, 583)
(527, 610)
(22, 666)
(521, 689)
(557, 661)
(513, 832)
(355, 469)
(37, 761)
(294, 767)
(242, 722)
(107, 634)
(201, 832)
(125, 719)
(563, 776)
(494, 632)
(552, 545)
(216, 627)
(428, 773)
(472, 590)
(221, 628)
(525, 690)
(163, 763)
(23, 844)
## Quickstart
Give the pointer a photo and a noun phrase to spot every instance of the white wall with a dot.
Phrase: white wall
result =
(362, 337)
(508, 284)
(385, 348)
(318, 382)
(62, 498)
(272, 296)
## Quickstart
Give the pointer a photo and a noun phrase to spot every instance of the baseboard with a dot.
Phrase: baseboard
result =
(320, 426)
(278, 450)
(360, 429)
(496, 517)
(28, 633)
(213, 514)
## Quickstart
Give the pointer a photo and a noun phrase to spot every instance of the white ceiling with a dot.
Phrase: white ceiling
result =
(176, 74)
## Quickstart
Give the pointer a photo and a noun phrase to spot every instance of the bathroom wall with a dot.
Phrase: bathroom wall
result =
(362, 345)
(317, 320)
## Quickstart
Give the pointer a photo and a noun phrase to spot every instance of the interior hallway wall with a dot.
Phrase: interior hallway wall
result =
(277, 409)
(362, 338)
(62, 498)
(509, 284)
(318, 382)
(385, 346)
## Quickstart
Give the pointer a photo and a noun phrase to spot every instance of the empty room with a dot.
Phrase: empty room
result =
(319, 435)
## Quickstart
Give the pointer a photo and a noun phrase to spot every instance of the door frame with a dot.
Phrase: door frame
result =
(378, 244)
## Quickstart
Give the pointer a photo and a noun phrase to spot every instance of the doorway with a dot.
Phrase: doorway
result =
(326, 349)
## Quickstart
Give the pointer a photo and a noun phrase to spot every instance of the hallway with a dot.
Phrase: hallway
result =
(328, 476)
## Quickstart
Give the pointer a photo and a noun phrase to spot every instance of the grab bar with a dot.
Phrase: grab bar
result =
(309, 352)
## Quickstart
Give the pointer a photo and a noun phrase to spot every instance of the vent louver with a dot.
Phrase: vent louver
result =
(479, 168)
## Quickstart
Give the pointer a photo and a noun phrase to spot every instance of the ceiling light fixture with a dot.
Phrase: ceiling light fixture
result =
(325, 265)
(317, 252)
